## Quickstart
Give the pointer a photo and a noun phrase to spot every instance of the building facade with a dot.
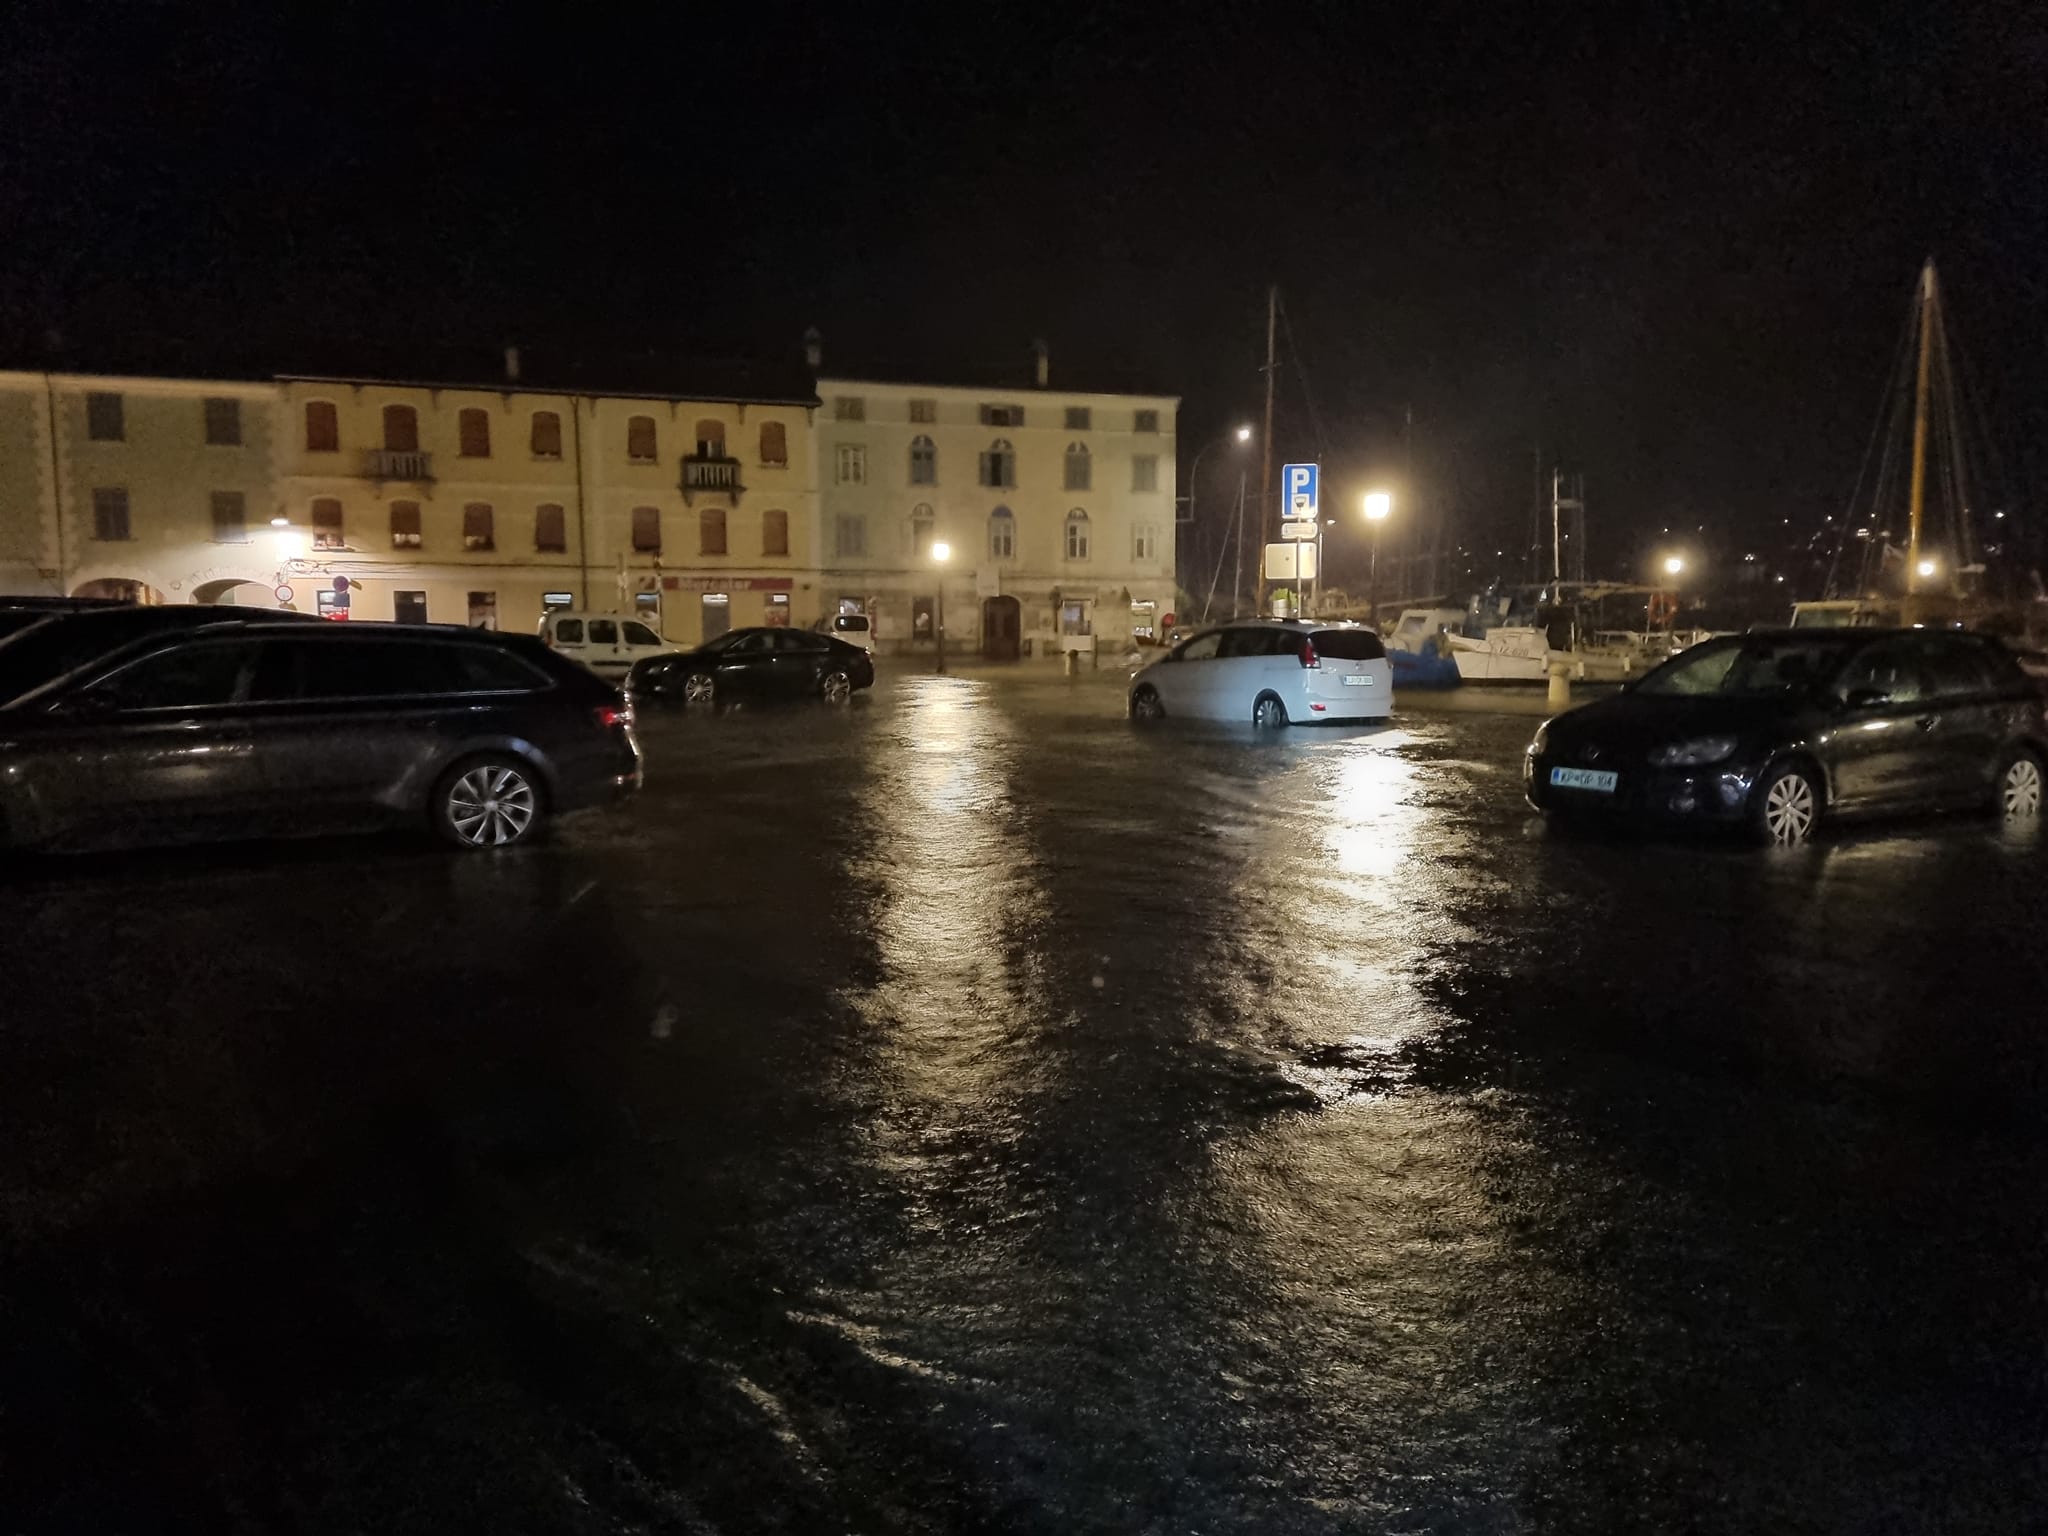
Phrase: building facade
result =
(1054, 508)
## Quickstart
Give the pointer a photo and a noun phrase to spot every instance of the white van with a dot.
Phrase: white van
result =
(607, 643)
(1270, 672)
(853, 628)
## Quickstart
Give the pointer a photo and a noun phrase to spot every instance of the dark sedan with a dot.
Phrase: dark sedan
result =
(754, 664)
(238, 729)
(1778, 731)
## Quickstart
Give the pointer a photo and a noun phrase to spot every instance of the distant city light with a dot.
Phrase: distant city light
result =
(1244, 434)
(1673, 565)
(1926, 567)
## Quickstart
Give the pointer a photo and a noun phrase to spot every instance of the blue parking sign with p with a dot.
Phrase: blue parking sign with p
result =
(1299, 487)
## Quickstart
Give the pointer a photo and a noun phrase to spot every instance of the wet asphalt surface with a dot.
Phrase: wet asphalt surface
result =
(969, 1112)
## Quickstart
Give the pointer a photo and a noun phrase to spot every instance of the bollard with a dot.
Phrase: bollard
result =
(1560, 685)
(1073, 663)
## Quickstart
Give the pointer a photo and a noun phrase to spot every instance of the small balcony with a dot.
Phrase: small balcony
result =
(394, 464)
(703, 475)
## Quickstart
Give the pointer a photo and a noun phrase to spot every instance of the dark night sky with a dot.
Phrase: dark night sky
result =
(1674, 243)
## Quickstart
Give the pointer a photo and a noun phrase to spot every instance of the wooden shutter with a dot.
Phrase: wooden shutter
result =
(647, 530)
(774, 532)
(401, 429)
(640, 439)
(323, 427)
(473, 430)
(405, 525)
(550, 529)
(711, 531)
(478, 532)
(326, 517)
(547, 435)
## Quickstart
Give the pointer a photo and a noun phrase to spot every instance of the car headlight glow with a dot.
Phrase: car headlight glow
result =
(1696, 753)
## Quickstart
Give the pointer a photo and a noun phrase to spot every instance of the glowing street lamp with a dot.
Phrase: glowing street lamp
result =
(1926, 568)
(1673, 565)
(1377, 505)
(941, 553)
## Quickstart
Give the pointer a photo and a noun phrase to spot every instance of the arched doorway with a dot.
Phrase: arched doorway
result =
(234, 590)
(120, 589)
(1002, 628)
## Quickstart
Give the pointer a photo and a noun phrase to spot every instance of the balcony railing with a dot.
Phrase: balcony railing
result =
(394, 464)
(720, 475)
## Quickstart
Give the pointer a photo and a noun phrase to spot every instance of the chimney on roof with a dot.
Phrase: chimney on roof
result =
(814, 349)
(1042, 354)
(511, 365)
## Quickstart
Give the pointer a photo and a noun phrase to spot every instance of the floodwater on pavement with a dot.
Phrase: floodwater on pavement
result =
(972, 1112)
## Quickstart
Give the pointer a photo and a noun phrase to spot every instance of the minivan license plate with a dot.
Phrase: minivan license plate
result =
(1359, 680)
(1583, 778)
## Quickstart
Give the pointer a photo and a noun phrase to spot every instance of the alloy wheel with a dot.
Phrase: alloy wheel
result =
(1268, 713)
(1790, 809)
(491, 805)
(1145, 704)
(837, 687)
(2020, 792)
(699, 688)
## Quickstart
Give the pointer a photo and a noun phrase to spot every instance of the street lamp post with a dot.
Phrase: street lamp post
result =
(941, 553)
(1241, 434)
(1377, 505)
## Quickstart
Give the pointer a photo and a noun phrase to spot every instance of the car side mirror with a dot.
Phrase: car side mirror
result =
(1868, 698)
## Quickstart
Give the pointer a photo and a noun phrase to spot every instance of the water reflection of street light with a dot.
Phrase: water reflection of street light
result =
(941, 553)
(1377, 505)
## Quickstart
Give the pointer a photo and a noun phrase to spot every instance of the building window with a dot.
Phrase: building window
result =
(110, 512)
(1002, 415)
(483, 610)
(1145, 472)
(223, 422)
(105, 422)
(230, 518)
(1145, 421)
(1002, 535)
(1077, 535)
(473, 434)
(401, 429)
(776, 614)
(711, 531)
(479, 534)
(640, 440)
(852, 465)
(326, 518)
(850, 537)
(550, 529)
(546, 437)
(647, 530)
(405, 525)
(774, 532)
(999, 465)
(710, 439)
(924, 410)
(409, 607)
(1144, 543)
(1077, 418)
(323, 427)
(849, 408)
(1079, 468)
(924, 461)
(774, 443)
(921, 524)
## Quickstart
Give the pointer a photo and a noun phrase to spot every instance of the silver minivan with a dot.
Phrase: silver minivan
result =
(607, 643)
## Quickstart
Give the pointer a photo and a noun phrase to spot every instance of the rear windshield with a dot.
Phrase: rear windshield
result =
(1349, 645)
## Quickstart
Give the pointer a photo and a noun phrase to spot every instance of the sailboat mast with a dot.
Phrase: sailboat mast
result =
(1556, 539)
(1268, 502)
(1917, 496)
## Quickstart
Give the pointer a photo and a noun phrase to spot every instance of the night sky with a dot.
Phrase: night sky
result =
(1673, 244)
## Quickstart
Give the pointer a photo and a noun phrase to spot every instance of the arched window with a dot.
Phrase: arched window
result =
(473, 434)
(547, 435)
(711, 531)
(1077, 535)
(1002, 535)
(999, 465)
(326, 519)
(922, 522)
(550, 529)
(774, 443)
(479, 527)
(401, 429)
(774, 532)
(323, 427)
(647, 530)
(710, 439)
(1078, 466)
(924, 461)
(640, 439)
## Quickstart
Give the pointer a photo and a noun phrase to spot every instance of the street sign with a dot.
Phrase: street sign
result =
(1299, 487)
(1302, 530)
(1290, 562)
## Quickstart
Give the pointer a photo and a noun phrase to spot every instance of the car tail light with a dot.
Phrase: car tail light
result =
(1309, 658)
(613, 716)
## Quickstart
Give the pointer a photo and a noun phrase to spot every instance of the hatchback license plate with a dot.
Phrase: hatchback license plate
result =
(1360, 681)
(1583, 778)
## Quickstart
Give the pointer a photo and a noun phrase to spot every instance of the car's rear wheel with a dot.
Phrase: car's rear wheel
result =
(2020, 784)
(1785, 806)
(835, 687)
(488, 802)
(700, 690)
(1146, 704)
(1269, 713)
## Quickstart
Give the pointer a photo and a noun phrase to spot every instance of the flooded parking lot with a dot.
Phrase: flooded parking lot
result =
(971, 1112)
